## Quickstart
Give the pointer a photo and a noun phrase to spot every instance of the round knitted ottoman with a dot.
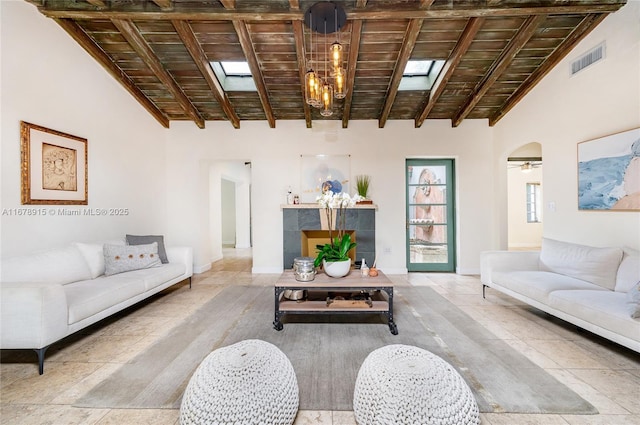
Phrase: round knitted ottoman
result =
(402, 384)
(250, 382)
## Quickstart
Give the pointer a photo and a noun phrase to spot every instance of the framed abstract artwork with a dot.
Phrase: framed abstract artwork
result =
(318, 170)
(53, 167)
(609, 172)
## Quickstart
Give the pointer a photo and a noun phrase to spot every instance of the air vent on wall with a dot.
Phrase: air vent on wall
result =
(592, 56)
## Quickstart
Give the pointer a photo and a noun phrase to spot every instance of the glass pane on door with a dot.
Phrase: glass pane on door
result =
(429, 215)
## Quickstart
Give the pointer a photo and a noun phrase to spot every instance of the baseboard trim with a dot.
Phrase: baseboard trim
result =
(201, 268)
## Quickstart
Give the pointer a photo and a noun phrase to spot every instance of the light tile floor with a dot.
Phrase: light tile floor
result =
(604, 374)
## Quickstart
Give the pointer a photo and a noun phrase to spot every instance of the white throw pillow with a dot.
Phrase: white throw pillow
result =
(629, 270)
(596, 265)
(62, 265)
(93, 255)
(633, 301)
(119, 259)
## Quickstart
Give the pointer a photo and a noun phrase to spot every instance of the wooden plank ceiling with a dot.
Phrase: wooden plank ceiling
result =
(495, 52)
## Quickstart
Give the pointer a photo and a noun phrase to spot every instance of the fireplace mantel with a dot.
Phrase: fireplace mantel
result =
(316, 206)
(300, 217)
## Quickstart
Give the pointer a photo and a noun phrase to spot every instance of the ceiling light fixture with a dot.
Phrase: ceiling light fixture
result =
(526, 167)
(325, 17)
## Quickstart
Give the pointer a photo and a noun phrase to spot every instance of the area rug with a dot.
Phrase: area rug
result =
(327, 352)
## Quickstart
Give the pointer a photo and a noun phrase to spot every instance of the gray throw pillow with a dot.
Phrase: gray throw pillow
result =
(124, 258)
(633, 301)
(147, 239)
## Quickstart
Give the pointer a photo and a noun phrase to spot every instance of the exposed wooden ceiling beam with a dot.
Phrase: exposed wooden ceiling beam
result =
(499, 66)
(228, 4)
(410, 37)
(581, 31)
(87, 43)
(298, 34)
(469, 33)
(426, 3)
(135, 12)
(97, 3)
(352, 62)
(140, 45)
(164, 4)
(194, 48)
(254, 66)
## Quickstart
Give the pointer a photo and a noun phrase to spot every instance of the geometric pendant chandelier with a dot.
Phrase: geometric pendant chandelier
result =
(326, 76)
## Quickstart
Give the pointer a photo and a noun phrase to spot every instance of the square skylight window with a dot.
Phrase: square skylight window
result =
(420, 74)
(236, 69)
(234, 76)
(415, 68)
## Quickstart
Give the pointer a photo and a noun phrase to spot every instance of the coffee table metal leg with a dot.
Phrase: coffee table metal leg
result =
(277, 324)
(393, 328)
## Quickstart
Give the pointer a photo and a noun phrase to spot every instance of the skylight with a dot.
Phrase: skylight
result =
(420, 74)
(417, 68)
(236, 69)
(234, 76)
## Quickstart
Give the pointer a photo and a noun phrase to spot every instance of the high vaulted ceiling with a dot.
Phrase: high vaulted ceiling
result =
(496, 51)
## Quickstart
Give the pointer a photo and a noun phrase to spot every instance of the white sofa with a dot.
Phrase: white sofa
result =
(587, 286)
(49, 295)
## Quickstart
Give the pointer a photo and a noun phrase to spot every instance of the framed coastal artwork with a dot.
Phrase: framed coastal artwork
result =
(53, 167)
(609, 172)
(319, 170)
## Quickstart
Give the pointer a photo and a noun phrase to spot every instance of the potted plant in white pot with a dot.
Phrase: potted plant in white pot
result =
(334, 256)
(362, 186)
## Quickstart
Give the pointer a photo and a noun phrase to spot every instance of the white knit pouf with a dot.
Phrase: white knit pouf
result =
(250, 382)
(406, 385)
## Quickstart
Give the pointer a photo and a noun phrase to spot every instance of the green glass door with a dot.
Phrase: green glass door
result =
(430, 215)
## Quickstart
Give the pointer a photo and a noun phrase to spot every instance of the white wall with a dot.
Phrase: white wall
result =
(228, 212)
(561, 112)
(49, 80)
(381, 153)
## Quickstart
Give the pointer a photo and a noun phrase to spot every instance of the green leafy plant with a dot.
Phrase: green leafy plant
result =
(362, 184)
(336, 251)
(335, 207)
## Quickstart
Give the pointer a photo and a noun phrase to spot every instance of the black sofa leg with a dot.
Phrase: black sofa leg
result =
(483, 288)
(189, 282)
(40, 352)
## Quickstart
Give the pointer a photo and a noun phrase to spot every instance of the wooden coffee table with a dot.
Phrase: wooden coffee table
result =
(380, 289)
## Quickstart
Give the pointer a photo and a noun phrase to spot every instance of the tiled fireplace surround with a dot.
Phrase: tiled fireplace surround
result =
(297, 218)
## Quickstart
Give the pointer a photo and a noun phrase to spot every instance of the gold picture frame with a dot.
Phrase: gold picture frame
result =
(53, 167)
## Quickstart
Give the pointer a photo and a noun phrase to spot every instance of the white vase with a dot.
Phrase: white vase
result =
(336, 268)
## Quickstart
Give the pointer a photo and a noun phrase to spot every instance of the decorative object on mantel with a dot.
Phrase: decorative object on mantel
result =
(334, 256)
(362, 186)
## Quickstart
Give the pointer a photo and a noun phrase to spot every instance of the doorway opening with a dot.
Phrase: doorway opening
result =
(430, 215)
(525, 198)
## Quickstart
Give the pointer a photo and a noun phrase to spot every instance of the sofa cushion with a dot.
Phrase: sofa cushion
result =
(54, 266)
(89, 297)
(538, 284)
(601, 308)
(94, 256)
(595, 265)
(156, 276)
(629, 270)
(147, 239)
(633, 301)
(120, 259)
